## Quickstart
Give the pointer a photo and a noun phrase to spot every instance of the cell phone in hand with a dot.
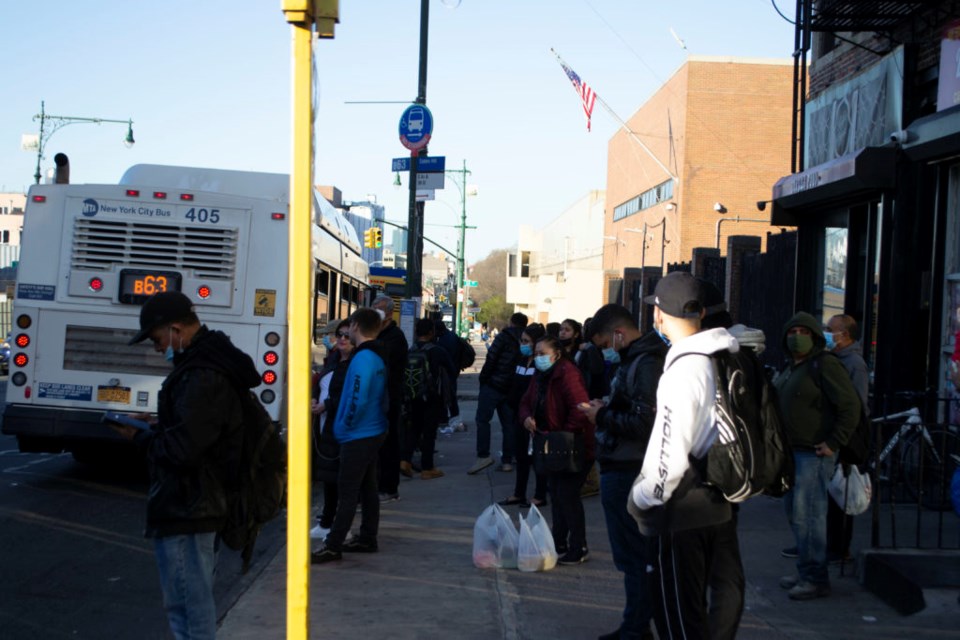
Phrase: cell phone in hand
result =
(123, 419)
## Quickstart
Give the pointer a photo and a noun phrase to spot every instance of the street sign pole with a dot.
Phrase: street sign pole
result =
(414, 288)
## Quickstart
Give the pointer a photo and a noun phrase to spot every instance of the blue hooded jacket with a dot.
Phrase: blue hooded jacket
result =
(362, 412)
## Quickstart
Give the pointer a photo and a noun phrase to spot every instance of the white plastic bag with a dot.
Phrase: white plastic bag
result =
(495, 540)
(852, 492)
(536, 551)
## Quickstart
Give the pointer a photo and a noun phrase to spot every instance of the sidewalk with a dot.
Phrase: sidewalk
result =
(423, 584)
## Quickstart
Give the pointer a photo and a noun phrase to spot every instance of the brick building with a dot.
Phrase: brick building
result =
(721, 127)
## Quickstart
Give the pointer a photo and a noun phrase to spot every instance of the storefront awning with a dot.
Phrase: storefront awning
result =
(934, 136)
(869, 170)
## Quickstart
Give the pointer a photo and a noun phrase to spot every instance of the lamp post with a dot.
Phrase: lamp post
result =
(461, 245)
(58, 122)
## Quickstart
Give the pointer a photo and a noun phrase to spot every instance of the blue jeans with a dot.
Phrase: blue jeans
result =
(806, 506)
(488, 401)
(186, 564)
(631, 551)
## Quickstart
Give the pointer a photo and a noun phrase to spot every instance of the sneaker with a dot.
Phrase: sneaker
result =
(389, 497)
(789, 582)
(480, 465)
(359, 546)
(318, 532)
(460, 427)
(406, 469)
(324, 555)
(574, 556)
(430, 474)
(506, 467)
(790, 552)
(808, 591)
(445, 431)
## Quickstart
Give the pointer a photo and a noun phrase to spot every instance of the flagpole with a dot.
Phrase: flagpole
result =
(623, 124)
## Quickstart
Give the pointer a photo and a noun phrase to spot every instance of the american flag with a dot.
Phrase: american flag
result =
(587, 96)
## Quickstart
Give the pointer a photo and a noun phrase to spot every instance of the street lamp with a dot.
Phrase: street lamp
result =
(59, 122)
(720, 209)
(461, 253)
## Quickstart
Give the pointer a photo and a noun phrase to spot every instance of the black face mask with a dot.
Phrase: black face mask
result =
(566, 342)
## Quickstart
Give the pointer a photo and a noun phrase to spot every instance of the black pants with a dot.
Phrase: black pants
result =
(525, 465)
(357, 482)
(422, 431)
(687, 564)
(839, 531)
(390, 452)
(331, 497)
(569, 523)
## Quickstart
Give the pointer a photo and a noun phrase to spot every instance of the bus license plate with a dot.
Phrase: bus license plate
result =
(113, 394)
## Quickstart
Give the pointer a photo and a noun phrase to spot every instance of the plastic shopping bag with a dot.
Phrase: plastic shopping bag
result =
(536, 551)
(495, 540)
(851, 491)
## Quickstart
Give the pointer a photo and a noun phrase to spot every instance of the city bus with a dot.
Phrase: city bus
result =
(92, 254)
(392, 282)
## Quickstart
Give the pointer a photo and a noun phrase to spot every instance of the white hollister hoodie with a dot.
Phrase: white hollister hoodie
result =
(685, 422)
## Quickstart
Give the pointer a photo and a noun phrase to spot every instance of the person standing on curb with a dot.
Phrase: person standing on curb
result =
(669, 498)
(195, 443)
(395, 353)
(495, 378)
(821, 409)
(361, 428)
(623, 424)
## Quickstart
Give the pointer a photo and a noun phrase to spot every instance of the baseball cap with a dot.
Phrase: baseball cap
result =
(674, 292)
(160, 309)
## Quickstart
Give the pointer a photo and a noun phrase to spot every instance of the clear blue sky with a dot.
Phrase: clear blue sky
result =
(207, 83)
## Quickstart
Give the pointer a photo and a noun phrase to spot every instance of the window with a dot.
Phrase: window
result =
(647, 199)
(951, 298)
(525, 264)
(834, 272)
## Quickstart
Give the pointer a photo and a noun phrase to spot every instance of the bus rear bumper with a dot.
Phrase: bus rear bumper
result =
(50, 430)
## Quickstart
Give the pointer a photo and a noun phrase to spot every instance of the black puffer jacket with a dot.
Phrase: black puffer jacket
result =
(624, 425)
(501, 360)
(393, 350)
(194, 450)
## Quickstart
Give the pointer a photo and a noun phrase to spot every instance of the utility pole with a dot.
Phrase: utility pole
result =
(414, 287)
(461, 246)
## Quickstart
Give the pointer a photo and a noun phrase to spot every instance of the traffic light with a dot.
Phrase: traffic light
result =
(377, 237)
(368, 238)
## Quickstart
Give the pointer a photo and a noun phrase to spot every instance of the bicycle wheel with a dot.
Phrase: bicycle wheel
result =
(927, 470)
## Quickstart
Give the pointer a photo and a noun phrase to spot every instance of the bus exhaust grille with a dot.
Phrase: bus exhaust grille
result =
(211, 252)
(105, 350)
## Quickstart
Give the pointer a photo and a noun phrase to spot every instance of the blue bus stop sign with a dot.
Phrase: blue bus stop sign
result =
(416, 126)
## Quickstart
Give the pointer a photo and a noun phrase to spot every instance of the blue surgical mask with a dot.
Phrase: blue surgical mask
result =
(526, 350)
(665, 339)
(542, 363)
(168, 354)
(328, 343)
(611, 355)
(831, 343)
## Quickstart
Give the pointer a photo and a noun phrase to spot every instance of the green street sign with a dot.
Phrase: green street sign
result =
(471, 283)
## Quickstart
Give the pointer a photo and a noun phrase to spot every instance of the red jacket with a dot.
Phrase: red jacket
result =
(565, 390)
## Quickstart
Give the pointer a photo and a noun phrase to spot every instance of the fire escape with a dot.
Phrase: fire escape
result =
(836, 17)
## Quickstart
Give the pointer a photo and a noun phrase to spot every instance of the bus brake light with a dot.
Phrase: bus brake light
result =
(203, 292)
(270, 358)
(21, 360)
(96, 284)
(22, 340)
(269, 377)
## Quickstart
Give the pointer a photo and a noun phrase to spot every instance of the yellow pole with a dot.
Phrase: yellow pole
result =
(299, 15)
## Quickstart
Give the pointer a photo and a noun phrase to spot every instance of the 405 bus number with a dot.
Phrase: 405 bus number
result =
(203, 215)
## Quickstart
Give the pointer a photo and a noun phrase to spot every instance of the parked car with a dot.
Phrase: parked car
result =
(5, 355)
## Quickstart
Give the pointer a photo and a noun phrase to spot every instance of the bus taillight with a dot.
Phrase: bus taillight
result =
(272, 339)
(95, 284)
(22, 340)
(267, 396)
(21, 360)
(271, 358)
(203, 292)
(269, 377)
(19, 379)
(24, 321)
(277, 216)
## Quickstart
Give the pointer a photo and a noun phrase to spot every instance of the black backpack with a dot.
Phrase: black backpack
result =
(466, 354)
(418, 381)
(752, 453)
(261, 479)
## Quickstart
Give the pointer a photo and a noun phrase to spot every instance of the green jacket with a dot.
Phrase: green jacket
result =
(817, 399)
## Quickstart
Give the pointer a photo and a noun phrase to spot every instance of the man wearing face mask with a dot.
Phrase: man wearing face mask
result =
(821, 409)
(195, 443)
(623, 426)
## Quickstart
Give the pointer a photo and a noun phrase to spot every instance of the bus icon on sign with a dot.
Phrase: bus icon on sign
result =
(415, 120)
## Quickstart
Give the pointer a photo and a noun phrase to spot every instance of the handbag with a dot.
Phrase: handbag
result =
(557, 452)
(850, 489)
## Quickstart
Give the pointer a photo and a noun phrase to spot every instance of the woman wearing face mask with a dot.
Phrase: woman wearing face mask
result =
(571, 335)
(551, 404)
(324, 408)
(592, 361)
(521, 381)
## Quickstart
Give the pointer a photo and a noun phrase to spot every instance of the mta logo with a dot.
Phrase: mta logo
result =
(90, 207)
